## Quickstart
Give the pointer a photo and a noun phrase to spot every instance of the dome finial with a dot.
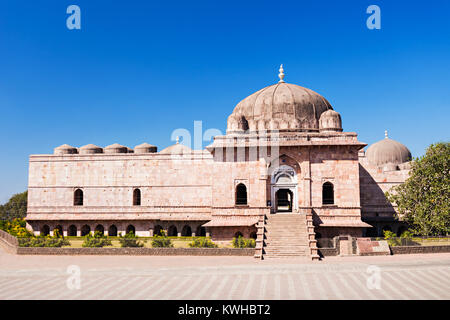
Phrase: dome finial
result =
(385, 134)
(281, 74)
(178, 139)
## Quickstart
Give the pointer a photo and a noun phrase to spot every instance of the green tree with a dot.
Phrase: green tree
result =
(16, 207)
(423, 201)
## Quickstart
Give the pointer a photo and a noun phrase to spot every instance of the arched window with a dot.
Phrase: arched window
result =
(157, 230)
(112, 231)
(253, 235)
(136, 197)
(201, 231)
(173, 232)
(85, 230)
(186, 232)
(130, 229)
(238, 234)
(241, 194)
(78, 197)
(72, 231)
(327, 193)
(45, 230)
(100, 228)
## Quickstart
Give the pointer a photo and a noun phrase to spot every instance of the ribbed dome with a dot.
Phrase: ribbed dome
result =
(116, 148)
(145, 148)
(176, 149)
(90, 149)
(282, 106)
(65, 149)
(387, 151)
(330, 121)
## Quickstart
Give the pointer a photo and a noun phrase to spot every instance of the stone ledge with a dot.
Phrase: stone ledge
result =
(419, 249)
(11, 248)
(137, 251)
(327, 252)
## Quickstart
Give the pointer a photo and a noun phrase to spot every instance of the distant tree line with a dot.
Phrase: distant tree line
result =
(15, 208)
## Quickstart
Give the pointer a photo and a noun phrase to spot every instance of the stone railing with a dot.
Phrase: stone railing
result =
(260, 227)
(8, 242)
(312, 242)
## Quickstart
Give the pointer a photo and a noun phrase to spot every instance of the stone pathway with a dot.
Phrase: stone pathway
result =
(119, 277)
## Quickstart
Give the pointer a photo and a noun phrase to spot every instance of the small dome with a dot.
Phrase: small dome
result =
(145, 148)
(177, 149)
(116, 148)
(330, 121)
(388, 151)
(65, 149)
(90, 149)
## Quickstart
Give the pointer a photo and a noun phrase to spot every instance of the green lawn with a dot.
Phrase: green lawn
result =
(178, 242)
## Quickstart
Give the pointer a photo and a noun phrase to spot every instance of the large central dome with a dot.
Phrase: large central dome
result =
(282, 106)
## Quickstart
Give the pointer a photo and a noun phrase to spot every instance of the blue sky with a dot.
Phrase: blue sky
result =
(137, 70)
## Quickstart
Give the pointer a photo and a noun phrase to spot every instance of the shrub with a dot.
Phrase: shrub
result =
(241, 242)
(391, 238)
(130, 240)
(98, 240)
(202, 242)
(41, 241)
(161, 241)
(16, 227)
(406, 235)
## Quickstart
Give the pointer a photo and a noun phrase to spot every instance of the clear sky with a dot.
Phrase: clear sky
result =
(137, 70)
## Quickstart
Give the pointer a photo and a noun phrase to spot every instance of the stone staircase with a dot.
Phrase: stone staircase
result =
(286, 235)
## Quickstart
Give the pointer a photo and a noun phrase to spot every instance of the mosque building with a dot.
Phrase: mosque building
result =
(285, 173)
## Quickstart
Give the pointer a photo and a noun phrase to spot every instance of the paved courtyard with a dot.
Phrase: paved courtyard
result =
(150, 277)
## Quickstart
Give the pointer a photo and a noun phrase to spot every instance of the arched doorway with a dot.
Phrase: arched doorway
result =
(72, 231)
(283, 200)
(85, 230)
(58, 231)
(99, 228)
(131, 229)
(45, 230)
(172, 231)
(157, 230)
(284, 193)
(201, 231)
(112, 231)
(186, 232)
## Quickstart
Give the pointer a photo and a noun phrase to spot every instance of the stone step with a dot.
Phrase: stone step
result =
(279, 247)
(287, 236)
(278, 243)
(285, 255)
(300, 252)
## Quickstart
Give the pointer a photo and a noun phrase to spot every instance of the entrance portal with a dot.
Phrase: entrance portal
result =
(284, 190)
(283, 199)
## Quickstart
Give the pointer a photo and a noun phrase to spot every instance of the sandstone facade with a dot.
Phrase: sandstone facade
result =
(279, 156)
